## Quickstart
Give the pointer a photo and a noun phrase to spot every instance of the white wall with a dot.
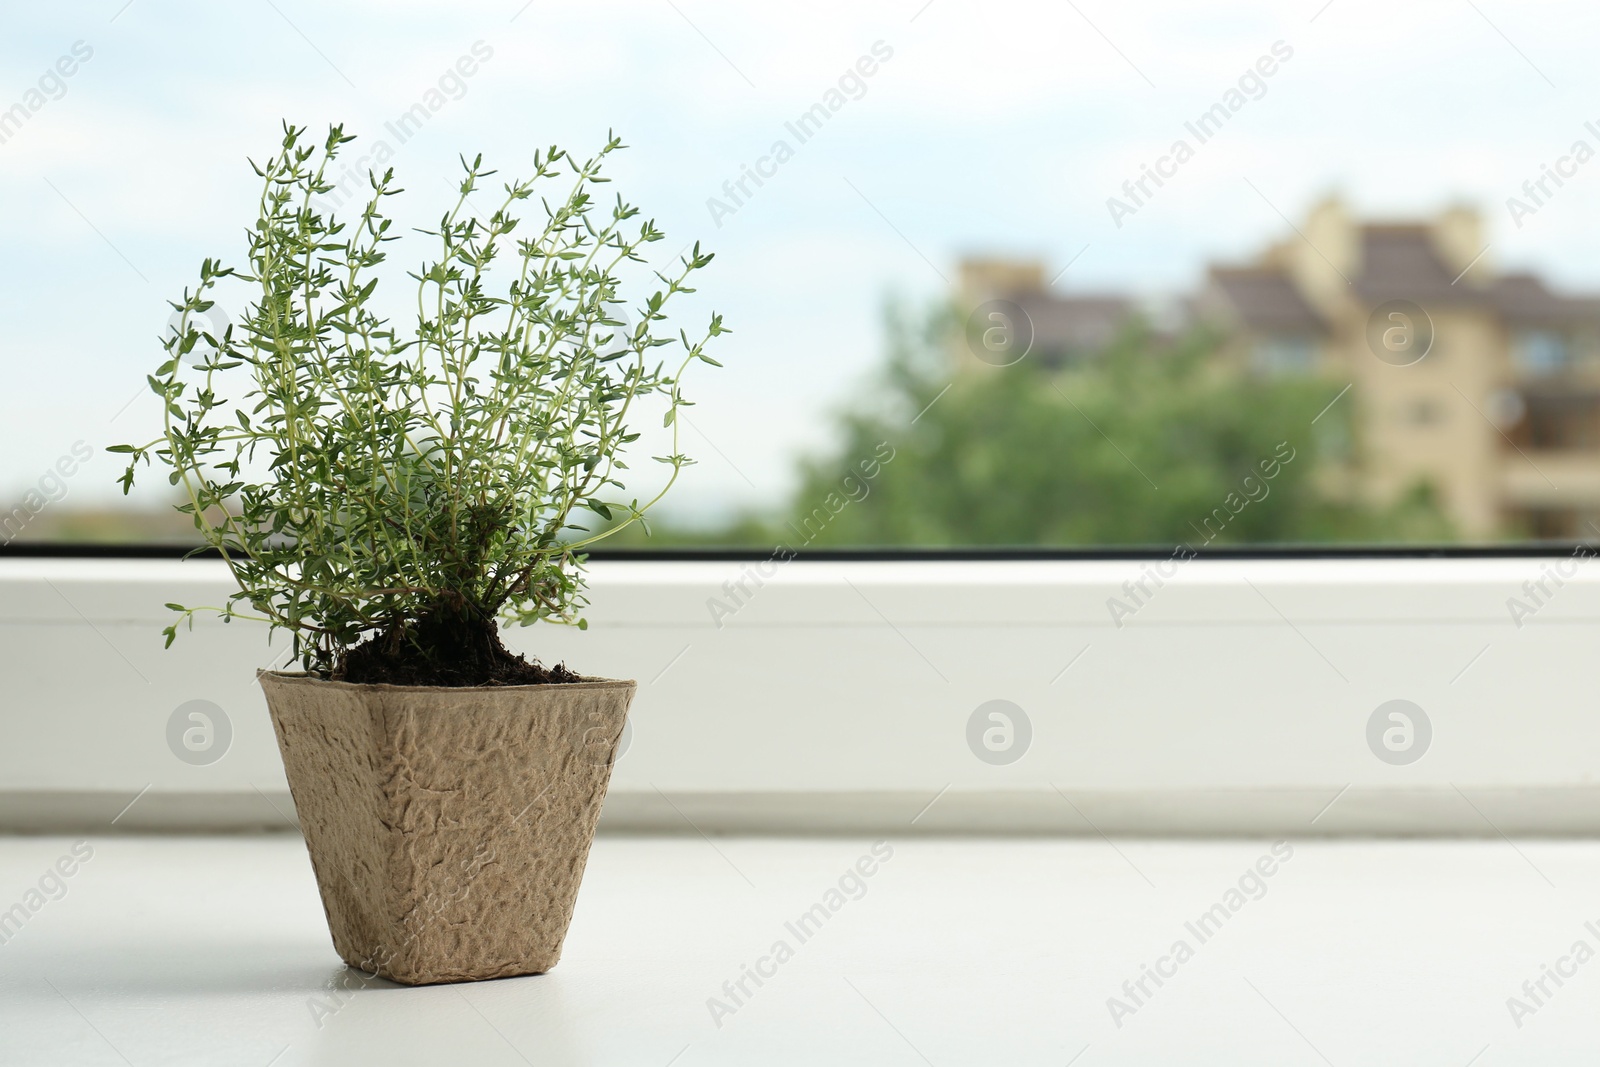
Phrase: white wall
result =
(1235, 700)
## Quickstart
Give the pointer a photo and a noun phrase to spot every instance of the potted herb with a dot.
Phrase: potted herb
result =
(389, 496)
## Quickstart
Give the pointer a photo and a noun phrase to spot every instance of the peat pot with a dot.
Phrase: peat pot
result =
(448, 828)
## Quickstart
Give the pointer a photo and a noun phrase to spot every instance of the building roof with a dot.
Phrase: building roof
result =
(1400, 262)
(1074, 324)
(1524, 299)
(1266, 300)
(1397, 262)
(1392, 261)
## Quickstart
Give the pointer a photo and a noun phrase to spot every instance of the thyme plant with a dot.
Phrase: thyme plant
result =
(388, 495)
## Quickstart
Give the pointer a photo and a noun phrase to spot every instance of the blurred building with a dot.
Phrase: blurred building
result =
(1484, 385)
(1065, 327)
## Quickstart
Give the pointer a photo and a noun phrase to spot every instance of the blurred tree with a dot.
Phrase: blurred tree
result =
(1151, 442)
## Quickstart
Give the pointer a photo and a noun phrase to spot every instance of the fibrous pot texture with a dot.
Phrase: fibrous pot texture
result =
(448, 827)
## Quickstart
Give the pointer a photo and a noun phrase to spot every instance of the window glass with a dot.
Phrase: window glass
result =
(1539, 352)
(1285, 354)
(1015, 273)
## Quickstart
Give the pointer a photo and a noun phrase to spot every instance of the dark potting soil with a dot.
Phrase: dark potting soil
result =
(455, 656)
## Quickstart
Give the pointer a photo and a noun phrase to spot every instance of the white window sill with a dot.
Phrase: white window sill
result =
(837, 698)
(959, 952)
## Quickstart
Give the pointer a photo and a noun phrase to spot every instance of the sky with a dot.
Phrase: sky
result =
(1001, 127)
